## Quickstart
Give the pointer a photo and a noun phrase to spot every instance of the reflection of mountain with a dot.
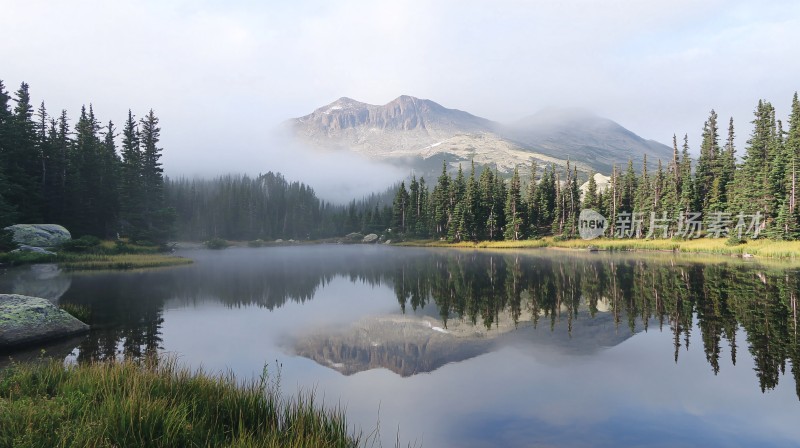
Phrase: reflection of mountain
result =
(564, 302)
(409, 345)
(406, 345)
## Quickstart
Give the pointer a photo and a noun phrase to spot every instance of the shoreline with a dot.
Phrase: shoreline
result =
(757, 249)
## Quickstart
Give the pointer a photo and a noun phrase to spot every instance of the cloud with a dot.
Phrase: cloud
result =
(219, 74)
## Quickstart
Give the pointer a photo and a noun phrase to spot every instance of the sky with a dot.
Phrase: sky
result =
(223, 75)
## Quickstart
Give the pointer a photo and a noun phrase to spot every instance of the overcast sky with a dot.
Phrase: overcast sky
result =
(222, 74)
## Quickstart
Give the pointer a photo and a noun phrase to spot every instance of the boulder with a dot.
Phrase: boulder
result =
(39, 235)
(26, 320)
(354, 237)
(369, 239)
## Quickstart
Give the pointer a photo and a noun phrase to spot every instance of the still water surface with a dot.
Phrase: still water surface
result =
(473, 348)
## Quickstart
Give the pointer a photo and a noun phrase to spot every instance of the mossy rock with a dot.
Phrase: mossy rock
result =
(40, 235)
(26, 320)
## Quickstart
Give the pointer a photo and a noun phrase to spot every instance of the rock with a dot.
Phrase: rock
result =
(279, 241)
(354, 237)
(38, 250)
(26, 320)
(388, 242)
(369, 239)
(39, 235)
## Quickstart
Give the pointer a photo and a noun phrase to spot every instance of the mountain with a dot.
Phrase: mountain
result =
(580, 135)
(420, 133)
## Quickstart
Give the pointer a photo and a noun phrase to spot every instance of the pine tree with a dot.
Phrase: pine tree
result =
(557, 226)
(484, 216)
(752, 191)
(22, 160)
(629, 189)
(532, 204)
(708, 164)
(440, 203)
(514, 209)
(468, 223)
(686, 195)
(728, 169)
(590, 200)
(546, 194)
(108, 199)
(131, 186)
(498, 204)
(574, 201)
(400, 208)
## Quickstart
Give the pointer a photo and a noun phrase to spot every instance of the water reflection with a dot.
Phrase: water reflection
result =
(454, 305)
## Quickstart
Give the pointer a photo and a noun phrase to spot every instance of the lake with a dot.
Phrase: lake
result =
(465, 348)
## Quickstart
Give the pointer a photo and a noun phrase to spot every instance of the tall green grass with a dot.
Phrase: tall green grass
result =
(158, 404)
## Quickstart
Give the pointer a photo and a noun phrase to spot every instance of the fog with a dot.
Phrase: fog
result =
(222, 75)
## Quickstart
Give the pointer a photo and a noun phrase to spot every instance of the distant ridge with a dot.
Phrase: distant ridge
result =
(420, 133)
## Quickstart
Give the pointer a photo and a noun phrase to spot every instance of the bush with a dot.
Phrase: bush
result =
(85, 243)
(7, 243)
(216, 243)
(733, 240)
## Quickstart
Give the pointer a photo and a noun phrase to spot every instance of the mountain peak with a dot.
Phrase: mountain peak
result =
(404, 113)
(420, 130)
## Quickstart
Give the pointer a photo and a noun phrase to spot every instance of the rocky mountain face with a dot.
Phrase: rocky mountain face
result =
(420, 133)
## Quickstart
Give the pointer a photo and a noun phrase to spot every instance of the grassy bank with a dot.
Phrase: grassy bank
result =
(81, 262)
(758, 248)
(129, 404)
(94, 254)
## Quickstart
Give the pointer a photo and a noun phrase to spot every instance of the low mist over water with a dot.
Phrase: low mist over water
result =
(466, 348)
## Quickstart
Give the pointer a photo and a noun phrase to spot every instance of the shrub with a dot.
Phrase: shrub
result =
(216, 243)
(735, 241)
(85, 243)
(7, 243)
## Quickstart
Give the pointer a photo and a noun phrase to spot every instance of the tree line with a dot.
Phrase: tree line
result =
(269, 207)
(717, 187)
(75, 176)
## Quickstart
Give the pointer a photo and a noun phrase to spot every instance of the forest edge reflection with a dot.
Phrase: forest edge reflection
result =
(527, 293)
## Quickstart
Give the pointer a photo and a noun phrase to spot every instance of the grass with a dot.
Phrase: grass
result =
(99, 255)
(81, 312)
(761, 248)
(158, 404)
(90, 262)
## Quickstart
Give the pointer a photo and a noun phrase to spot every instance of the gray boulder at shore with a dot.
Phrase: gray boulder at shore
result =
(39, 235)
(26, 320)
(371, 238)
